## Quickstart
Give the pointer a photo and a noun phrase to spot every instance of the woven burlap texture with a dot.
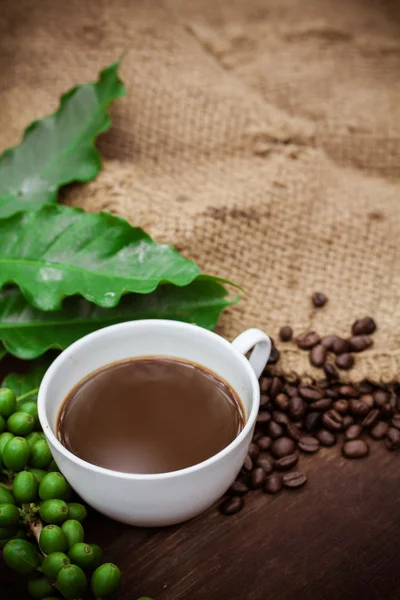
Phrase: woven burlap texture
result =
(261, 138)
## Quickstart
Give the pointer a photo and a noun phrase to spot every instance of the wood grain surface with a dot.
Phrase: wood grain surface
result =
(337, 538)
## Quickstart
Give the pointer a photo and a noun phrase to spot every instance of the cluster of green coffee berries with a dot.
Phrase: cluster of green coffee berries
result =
(41, 531)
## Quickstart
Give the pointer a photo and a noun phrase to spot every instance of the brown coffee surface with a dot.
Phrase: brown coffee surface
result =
(150, 415)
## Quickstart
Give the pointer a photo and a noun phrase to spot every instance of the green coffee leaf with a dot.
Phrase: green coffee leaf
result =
(3, 351)
(58, 149)
(27, 332)
(59, 251)
(26, 385)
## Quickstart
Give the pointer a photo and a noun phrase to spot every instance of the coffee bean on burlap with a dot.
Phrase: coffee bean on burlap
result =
(293, 431)
(312, 421)
(274, 356)
(332, 420)
(387, 410)
(265, 401)
(347, 391)
(263, 417)
(274, 430)
(355, 449)
(319, 299)
(308, 444)
(381, 397)
(294, 479)
(398, 403)
(282, 401)
(286, 462)
(365, 387)
(285, 334)
(330, 372)
(231, 506)
(358, 408)
(310, 393)
(326, 438)
(367, 399)
(280, 417)
(253, 451)
(273, 484)
(392, 440)
(328, 341)
(379, 431)
(396, 421)
(318, 355)
(332, 393)
(297, 408)
(307, 340)
(353, 432)
(291, 390)
(342, 406)
(257, 478)
(265, 384)
(257, 434)
(276, 387)
(359, 343)
(264, 442)
(348, 421)
(238, 488)
(344, 361)
(363, 326)
(371, 418)
(320, 405)
(282, 447)
(265, 462)
(248, 463)
(340, 346)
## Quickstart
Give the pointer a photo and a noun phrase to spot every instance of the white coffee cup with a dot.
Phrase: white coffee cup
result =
(166, 498)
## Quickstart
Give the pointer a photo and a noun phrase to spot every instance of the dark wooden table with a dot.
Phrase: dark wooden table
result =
(337, 538)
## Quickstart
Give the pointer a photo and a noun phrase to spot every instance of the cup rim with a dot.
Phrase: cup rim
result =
(91, 337)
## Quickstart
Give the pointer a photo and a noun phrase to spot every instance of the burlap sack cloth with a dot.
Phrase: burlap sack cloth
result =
(261, 137)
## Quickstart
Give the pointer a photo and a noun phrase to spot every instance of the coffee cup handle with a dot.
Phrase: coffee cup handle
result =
(257, 339)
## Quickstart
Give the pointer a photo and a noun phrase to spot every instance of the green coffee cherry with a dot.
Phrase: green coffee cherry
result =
(54, 511)
(84, 556)
(39, 587)
(25, 486)
(52, 539)
(98, 552)
(72, 582)
(53, 563)
(32, 409)
(2, 424)
(9, 515)
(77, 511)
(33, 437)
(106, 580)
(6, 496)
(20, 423)
(40, 455)
(38, 473)
(74, 532)
(16, 454)
(8, 402)
(21, 556)
(54, 485)
(8, 532)
(4, 438)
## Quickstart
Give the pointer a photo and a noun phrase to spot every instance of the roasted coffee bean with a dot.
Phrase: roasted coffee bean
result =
(265, 384)
(363, 326)
(238, 488)
(347, 391)
(293, 431)
(309, 393)
(318, 355)
(328, 341)
(359, 343)
(282, 401)
(344, 361)
(257, 478)
(396, 421)
(342, 406)
(312, 421)
(333, 394)
(308, 444)
(319, 299)
(398, 403)
(340, 346)
(248, 463)
(291, 390)
(365, 387)
(371, 418)
(392, 440)
(379, 430)
(326, 438)
(263, 417)
(285, 334)
(387, 410)
(274, 356)
(355, 449)
(274, 430)
(358, 408)
(264, 442)
(367, 399)
(297, 407)
(353, 432)
(264, 461)
(321, 405)
(280, 417)
(332, 420)
(273, 484)
(282, 447)
(307, 340)
(276, 387)
(330, 373)
(264, 401)
(253, 451)
(286, 462)
(381, 397)
(231, 506)
(294, 479)
(348, 421)
(257, 434)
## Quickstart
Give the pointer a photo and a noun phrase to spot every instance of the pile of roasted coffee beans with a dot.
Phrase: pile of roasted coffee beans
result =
(295, 418)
